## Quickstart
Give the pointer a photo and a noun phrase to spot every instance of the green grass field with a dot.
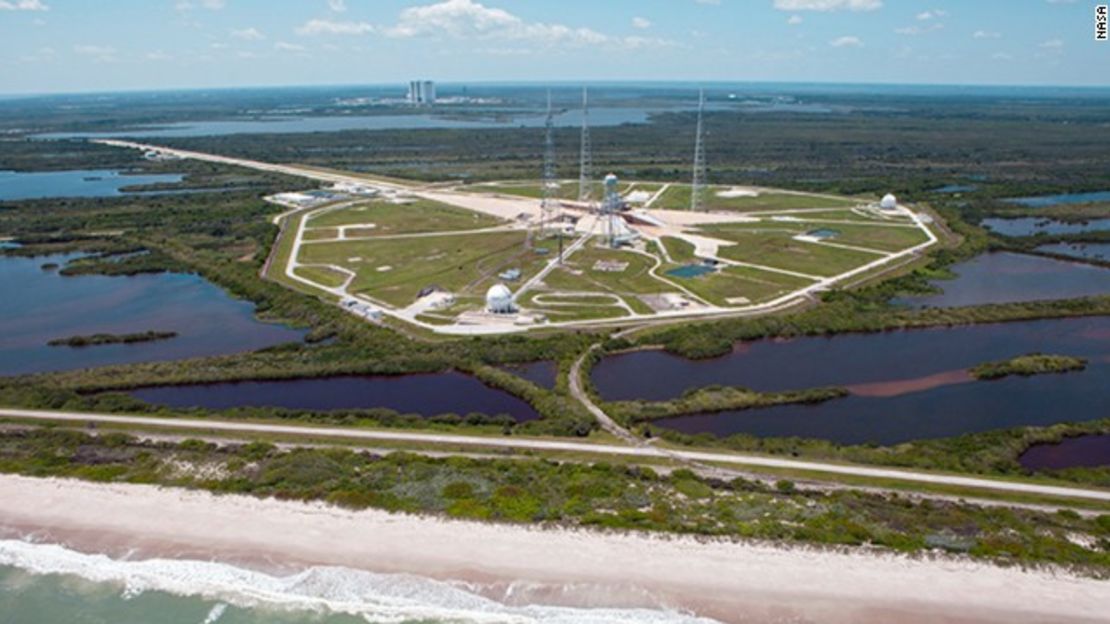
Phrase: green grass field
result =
(321, 275)
(878, 237)
(567, 190)
(395, 270)
(735, 282)
(634, 280)
(781, 251)
(419, 216)
(677, 197)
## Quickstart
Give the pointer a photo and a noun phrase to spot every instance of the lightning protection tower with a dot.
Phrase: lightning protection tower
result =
(585, 159)
(697, 189)
(549, 205)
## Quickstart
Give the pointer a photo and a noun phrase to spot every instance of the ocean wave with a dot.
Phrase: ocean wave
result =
(384, 598)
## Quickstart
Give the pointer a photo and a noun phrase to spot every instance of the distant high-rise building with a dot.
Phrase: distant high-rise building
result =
(422, 92)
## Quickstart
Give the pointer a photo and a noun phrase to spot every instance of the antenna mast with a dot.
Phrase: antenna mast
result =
(697, 189)
(549, 203)
(585, 161)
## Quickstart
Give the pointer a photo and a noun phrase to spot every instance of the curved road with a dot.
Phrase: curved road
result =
(569, 446)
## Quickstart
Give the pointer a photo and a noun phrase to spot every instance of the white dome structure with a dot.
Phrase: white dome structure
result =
(499, 299)
(889, 202)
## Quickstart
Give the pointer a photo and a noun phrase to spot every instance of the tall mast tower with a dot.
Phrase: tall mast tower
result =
(697, 189)
(549, 205)
(585, 159)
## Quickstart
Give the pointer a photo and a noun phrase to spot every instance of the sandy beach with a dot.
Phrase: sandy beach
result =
(727, 581)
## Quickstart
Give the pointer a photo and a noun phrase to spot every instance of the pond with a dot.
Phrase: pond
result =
(424, 394)
(1031, 226)
(1086, 251)
(1085, 451)
(1044, 201)
(208, 321)
(956, 188)
(944, 411)
(1004, 277)
(893, 358)
(76, 183)
(542, 373)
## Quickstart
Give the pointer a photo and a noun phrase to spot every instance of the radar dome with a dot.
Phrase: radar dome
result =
(499, 299)
(888, 202)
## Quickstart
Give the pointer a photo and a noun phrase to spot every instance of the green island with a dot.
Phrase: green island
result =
(1026, 365)
(93, 340)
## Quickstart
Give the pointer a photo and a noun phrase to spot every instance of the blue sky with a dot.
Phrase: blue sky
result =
(84, 45)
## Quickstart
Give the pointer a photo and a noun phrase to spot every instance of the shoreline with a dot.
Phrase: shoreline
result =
(518, 565)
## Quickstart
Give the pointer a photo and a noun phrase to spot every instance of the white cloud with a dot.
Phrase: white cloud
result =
(211, 5)
(248, 34)
(794, 20)
(986, 34)
(466, 19)
(339, 6)
(1051, 44)
(289, 47)
(847, 41)
(928, 15)
(712, 2)
(328, 27)
(641, 22)
(1001, 56)
(158, 55)
(23, 5)
(828, 5)
(919, 30)
(100, 54)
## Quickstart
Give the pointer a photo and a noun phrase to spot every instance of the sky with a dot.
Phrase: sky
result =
(59, 46)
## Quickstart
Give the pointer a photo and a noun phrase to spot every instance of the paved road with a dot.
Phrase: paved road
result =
(566, 445)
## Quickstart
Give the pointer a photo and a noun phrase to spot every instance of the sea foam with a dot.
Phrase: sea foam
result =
(384, 598)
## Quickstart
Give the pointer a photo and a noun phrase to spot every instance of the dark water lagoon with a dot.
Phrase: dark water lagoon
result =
(1080, 452)
(542, 373)
(1086, 251)
(905, 385)
(1031, 226)
(1004, 277)
(956, 188)
(75, 183)
(1044, 201)
(940, 412)
(425, 394)
(893, 359)
(48, 306)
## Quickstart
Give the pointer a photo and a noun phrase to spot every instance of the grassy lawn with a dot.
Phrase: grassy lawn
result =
(419, 216)
(732, 282)
(633, 280)
(320, 234)
(459, 263)
(321, 275)
(779, 250)
(680, 251)
(877, 237)
(677, 197)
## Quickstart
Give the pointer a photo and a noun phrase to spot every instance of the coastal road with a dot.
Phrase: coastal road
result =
(735, 459)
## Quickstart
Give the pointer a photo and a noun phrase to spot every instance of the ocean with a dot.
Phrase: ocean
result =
(50, 584)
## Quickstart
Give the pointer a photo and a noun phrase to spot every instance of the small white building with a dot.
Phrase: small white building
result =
(499, 299)
(888, 202)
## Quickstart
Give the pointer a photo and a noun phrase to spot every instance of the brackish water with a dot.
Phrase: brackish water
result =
(1005, 277)
(1082, 451)
(1044, 201)
(1088, 251)
(40, 305)
(1031, 226)
(428, 395)
(75, 183)
(906, 384)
